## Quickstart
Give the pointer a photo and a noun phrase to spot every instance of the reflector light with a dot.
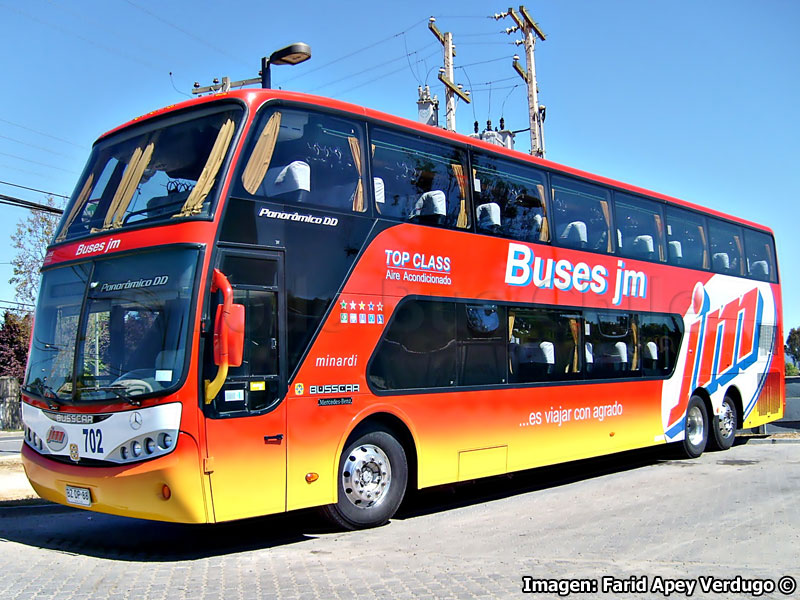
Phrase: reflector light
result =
(311, 477)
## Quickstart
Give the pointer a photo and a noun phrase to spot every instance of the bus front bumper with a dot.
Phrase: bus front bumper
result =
(135, 490)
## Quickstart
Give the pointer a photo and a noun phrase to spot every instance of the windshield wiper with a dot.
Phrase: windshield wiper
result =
(117, 390)
(45, 392)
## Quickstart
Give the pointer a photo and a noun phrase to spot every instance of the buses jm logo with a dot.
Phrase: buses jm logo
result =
(722, 343)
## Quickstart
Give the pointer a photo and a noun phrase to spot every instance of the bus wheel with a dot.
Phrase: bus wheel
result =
(723, 428)
(696, 428)
(372, 478)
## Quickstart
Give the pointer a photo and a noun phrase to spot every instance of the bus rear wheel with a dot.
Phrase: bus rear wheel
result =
(723, 428)
(696, 428)
(371, 480)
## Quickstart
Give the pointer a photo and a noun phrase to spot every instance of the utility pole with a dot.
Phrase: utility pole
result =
(446, 75)
(536, 112)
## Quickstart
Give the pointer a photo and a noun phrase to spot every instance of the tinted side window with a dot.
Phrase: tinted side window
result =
(418, 349)
(582, 214)
(509, 200)
(419, 180)
(760, 251)
(660, 337)
(640, 228)
(482, 342)
(297, 156)
(686, 239)
(727, 247)
(611, 345)
(543, 345)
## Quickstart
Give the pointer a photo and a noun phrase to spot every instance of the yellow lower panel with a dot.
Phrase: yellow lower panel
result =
(482, 463)
(130, 491)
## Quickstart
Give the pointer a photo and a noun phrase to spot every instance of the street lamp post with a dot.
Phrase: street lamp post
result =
(290, 55)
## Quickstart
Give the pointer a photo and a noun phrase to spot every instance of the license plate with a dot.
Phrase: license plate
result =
(78, 495)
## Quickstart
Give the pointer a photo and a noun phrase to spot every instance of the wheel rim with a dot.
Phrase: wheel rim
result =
(695, 428)
(366, 476)
(726, 421)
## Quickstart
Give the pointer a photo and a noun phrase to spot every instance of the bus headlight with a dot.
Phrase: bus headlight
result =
(136, 448)
(165, 441)
(149, 445)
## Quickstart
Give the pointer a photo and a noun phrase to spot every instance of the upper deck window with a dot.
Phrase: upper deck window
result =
(760, 256)
(687, 245)
(509, 200)
(419, 180)
(305, 157)
(152, 173)
(582, 215)
(640, 229)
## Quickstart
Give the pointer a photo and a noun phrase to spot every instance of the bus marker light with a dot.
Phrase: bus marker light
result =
(311, 477)
(166, 493)
(611, 434)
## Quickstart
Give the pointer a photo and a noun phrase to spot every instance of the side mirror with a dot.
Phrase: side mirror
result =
(234, 323)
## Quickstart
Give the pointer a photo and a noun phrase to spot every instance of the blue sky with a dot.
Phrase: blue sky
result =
(693, 99)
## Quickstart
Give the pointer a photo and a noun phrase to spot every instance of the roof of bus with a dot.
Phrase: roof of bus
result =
(254, 98)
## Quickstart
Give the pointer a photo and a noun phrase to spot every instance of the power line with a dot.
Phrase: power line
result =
(5, 137)
(435, 52)
(380, 65)
(196, 38)
(88, 40)
(42, 133)
(354, 52)
(20, 203)
(41, 164)
(16, 185)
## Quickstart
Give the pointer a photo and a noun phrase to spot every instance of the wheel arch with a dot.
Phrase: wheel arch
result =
(706, 397)
(396, 426)
(734, 394)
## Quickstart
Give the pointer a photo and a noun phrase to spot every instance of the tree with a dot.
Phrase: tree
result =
(33, 235)
(792, 347)
(14, 335)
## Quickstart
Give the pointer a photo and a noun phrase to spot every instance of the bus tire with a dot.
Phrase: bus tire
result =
(723, 426)
(696, 428)
(371, 481)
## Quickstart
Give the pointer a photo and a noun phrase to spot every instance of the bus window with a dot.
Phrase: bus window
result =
(727, 247)
(298, 156)
(543, 345)
(509, 200)
(660, 338)
(686, 239)
(640, 230)
(154, 172)
(760, 251)
(481, 344)
(418, 180)
(418, 349)
(611, 345)
(582, 215)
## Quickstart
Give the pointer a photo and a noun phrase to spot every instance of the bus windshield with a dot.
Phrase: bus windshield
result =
(114, 328)
(155, 172)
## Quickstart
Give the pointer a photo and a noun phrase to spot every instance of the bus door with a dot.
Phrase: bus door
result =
(246, 424)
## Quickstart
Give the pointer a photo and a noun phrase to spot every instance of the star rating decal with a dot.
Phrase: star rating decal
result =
(366, 315)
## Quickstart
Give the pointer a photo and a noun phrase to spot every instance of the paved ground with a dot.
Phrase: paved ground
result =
(10, 443)
(638, 514)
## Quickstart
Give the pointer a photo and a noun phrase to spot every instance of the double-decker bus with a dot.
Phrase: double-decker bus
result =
(261, 301)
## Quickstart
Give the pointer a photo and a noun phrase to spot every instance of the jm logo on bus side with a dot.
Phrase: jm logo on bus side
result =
(56, 438)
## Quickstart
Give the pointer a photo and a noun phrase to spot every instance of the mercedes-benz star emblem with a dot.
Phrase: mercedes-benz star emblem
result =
(136, 420)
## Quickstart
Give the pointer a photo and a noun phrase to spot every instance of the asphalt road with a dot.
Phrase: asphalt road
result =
(10, 443)
(635, 515)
